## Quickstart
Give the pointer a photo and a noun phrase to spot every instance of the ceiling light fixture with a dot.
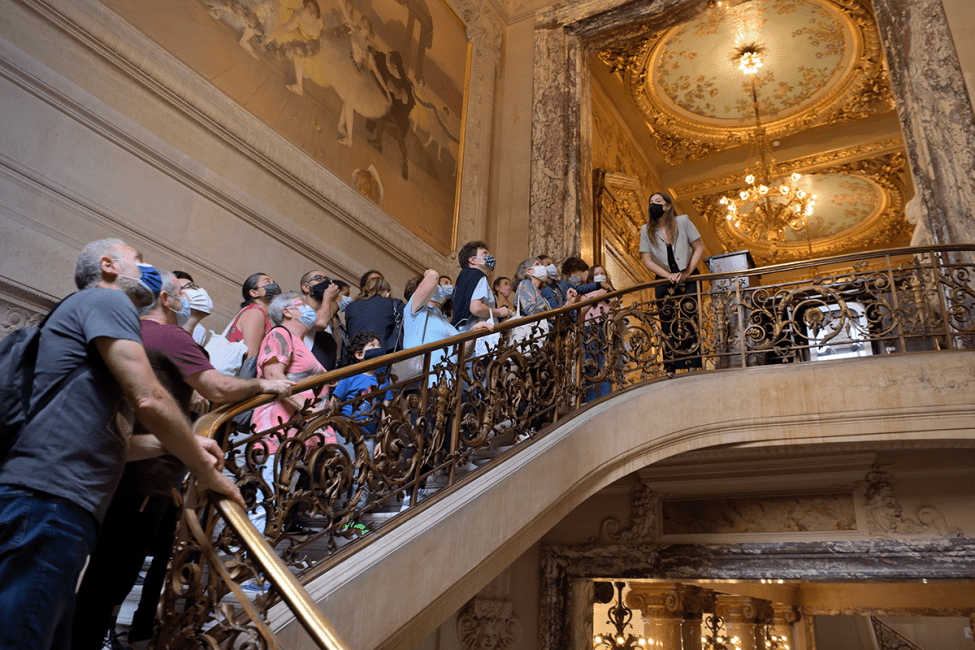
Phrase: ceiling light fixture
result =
(715, 640)
(776, 203)
(619, 617)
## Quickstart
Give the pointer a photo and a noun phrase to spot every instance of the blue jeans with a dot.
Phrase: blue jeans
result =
(45, 542)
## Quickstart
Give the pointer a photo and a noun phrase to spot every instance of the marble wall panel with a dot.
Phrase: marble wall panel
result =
(775, 514)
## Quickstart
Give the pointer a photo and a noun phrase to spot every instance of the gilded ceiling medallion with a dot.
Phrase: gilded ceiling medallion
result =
(860, 206)
(822, 64)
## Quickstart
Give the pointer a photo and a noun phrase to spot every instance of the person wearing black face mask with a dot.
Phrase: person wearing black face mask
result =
(364, 346)
(672, 248)
(252, 322)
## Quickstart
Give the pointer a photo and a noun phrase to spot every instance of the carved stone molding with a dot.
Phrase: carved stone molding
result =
(642, 525)
(885, 514)
(804, 165)
(487, 623)
(21, 306)
(486, 33)
(129, 50)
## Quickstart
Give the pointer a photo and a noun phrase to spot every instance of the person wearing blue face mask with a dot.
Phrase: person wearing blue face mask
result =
(140, 509)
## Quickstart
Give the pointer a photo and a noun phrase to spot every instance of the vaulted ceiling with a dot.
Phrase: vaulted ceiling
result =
(823, 98)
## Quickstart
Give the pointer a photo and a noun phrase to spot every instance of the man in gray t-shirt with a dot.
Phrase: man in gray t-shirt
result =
(59, 476)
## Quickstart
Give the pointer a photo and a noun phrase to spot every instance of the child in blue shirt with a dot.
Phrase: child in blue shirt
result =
(361, 391)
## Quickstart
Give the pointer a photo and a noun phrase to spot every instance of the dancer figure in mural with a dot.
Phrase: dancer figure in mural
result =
(342, 59)
(427, 120)
(298, 39)
(398, 117)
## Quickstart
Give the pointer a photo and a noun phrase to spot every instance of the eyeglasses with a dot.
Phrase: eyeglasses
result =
(190, 285)
(315, 279)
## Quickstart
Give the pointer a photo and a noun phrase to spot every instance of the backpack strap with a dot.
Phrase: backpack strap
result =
(28, 384)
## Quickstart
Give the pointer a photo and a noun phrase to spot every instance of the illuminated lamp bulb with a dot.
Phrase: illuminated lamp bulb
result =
(642, 642)
(599, 639)
(750, 179)
(783, 189)
(762, 190)
(620, 640)
(801, 194)
(743, 195)
(723, 201)
(795, 176)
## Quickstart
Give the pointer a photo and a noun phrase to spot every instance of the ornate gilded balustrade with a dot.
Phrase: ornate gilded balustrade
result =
(324, 484)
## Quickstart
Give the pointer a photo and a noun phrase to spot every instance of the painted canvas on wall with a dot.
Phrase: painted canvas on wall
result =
(374, 90)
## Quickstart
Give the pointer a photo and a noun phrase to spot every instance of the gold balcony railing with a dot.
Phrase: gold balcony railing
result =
(338, 482)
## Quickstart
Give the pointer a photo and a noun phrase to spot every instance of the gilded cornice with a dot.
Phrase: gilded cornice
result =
(804, 165)
(863, 90)
(887, 227)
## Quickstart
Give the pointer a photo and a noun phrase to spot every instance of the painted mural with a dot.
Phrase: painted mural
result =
(373, 90)
(805, 55)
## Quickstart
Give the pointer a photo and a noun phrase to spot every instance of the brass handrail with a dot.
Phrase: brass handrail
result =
(327, 488)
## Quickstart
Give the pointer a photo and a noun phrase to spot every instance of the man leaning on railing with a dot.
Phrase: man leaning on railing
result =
(57, 480)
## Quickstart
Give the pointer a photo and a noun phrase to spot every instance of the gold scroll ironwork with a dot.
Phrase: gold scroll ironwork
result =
(338, 480)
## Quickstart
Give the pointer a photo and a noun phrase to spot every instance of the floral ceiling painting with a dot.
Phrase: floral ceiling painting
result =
(366, 88)
(821, 98)
(806, 54)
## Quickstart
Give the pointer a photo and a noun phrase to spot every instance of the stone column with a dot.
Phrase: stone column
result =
(744, 617)
(671, 613)
(935, 112)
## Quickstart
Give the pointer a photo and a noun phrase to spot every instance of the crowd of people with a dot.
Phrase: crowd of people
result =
(125, 363)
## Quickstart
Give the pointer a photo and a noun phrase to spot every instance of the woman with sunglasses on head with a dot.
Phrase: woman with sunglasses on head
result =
(672, 248)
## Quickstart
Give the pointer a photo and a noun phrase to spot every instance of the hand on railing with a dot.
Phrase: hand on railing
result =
(335, 472)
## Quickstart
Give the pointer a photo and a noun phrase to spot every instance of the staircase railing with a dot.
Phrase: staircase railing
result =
(323, 485)
(890, 639)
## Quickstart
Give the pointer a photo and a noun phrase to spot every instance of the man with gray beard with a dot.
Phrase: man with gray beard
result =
(59, 477)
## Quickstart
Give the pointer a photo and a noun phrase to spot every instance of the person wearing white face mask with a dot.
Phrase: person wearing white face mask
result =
(143, 496)
(557, 293)
(531, 277)
(197, 305)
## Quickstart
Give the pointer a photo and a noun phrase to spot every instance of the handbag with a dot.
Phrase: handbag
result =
(528, 337)
(412, 367)
(225, 356)
(248, 370)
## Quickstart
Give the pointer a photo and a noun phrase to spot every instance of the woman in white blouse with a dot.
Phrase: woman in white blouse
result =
(672, 248)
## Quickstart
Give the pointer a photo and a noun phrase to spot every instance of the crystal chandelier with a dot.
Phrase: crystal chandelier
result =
(777, 203)
(619, 617)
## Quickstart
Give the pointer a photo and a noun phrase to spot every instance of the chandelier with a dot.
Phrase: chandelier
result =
(774, 641)
(619, 617)
(715, 640)
(777, 202)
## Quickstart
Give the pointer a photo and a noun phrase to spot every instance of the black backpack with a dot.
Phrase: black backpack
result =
(18, 355)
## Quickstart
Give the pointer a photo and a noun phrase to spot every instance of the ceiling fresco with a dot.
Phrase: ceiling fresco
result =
(808, 50)
(821, 93)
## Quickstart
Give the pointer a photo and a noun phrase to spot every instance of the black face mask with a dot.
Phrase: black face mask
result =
(271, 289)
(371, 353)
(656, 210)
